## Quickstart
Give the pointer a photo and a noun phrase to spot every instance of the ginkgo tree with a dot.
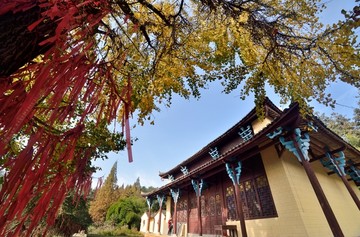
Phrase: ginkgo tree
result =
(65, 64)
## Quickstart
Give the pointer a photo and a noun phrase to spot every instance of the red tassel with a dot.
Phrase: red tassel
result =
(60, 80)
(127, 122)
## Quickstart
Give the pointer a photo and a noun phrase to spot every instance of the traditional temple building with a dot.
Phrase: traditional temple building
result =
(282, 175)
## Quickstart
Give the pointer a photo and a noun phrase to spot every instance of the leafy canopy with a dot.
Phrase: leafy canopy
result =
(346, 128)
(127, 211)
(77, 62)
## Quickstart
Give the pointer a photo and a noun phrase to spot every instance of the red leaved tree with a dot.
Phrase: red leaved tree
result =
(51, 81)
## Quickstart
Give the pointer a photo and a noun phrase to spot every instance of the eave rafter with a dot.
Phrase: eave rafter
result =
(343, 148)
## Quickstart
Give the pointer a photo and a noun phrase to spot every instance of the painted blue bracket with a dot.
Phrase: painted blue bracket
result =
(290, 146)
(214, 153)
(275, 133)
(184, 170)
(312, 126)
(149, 202)
(197, 189)
(238, 172)
(336, 164)
(171, 177)
(194, 184)
(353, 172)
(230, 172)
(201, 186)
(160, 199)
(175, 194)
(235, 178)
(246, 133)
(303, 144)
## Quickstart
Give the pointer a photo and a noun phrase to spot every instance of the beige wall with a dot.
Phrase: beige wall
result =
(168, 208)
(144, 220)
(289, 221)
(163, 224)
(165, 216)
(299, 212)
(342, 204)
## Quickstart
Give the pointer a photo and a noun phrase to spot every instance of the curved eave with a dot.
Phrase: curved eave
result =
(329, 140)
(271, 110)
(288, 117)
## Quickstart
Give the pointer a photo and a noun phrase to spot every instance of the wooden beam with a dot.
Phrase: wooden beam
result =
(343, 148)
(329, 214)
(175, 219)
(160, 220)
(269, 144)
(148, 223)
(346, 168)
(356, 164)
(350, 190)
(342, 175)
(198, 197)
(240, 211)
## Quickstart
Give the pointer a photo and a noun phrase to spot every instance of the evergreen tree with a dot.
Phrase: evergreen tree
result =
(346, 128)
(73, 216)
(104, 197)
(137, 184)
(129, 207)
(147, 189)
(127, 211)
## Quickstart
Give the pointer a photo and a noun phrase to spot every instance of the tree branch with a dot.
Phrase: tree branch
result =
(124, 6)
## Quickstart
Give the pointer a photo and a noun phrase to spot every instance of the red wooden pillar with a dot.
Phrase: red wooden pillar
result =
(234, 175)
(188, 210)
(160, 200)
(149, 203)
(351, 191)
(175, 195)
(148, 223)
(329, 214)
(175, 219)
(159, 221)
(198, 188)
(198, 197)
(339, 169)
(240, 211)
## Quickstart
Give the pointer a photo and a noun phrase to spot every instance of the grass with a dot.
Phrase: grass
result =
(113, 231)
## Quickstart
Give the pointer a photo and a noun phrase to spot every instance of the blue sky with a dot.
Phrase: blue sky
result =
(189, 125)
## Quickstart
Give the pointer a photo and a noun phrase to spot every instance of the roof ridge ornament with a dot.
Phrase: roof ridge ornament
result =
(171, 177)
(246, 133)
(214, 153)
(184, 170)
